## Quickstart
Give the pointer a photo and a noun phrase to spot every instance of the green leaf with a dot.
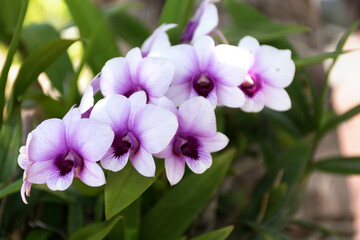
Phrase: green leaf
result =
(129, 28)
(179, 12)
(335, 121)
(249, 21)
(307, 61)
(87, 16)
(36, 35)
(125, 186)
(36, 63)
(95, 231)
(313, 226)
(9, 16)
(11, 188)
(220, 234)
(267, 232)
(179, 207)
(276, 199)
(338, 165)
(131, 220)
(10, 55)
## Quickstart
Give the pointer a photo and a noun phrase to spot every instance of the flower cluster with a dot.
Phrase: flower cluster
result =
(158, 101)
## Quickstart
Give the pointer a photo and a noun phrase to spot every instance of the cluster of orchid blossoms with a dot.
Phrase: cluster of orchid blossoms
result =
(158, 101)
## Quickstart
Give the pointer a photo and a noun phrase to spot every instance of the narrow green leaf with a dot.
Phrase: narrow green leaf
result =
(179, 12)
(266, 232)
(9, 16)
(36, 35)
(314, 226)
(307, 61)
(95, 231)
(249, 21)
(125, 186)
(220, 234)
(182, 204)
(276, 199)
(87, 16)
(335, 121)
(36, 63)
(11, 188)
(131, 219)
(10, 55)
(338, 165)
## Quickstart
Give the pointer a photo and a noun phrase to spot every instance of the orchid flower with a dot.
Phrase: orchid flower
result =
(270, 71)
(195, 139)
(25, 162)
(203, 22)
(214, 72)
(60, 149)
(157, 42)
(133, 73)
(140, 130)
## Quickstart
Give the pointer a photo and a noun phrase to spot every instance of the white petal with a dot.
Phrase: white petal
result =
(56, 181)
(87, 101)
(179, 93)
(215, 143)
(196, 116)
(274, 66)
(203, 162)
(207, 22)
(157, 42)
(204, 48)
(249, 43)
(276, 98)
(137, 102)
(112, 163)
(90, 139)
(230, 96)
(113, 110)
(155, 127)
(255, 103)
(92, 174)
(133, 58)
(155, 75)
(185, 61)
(143, 162)
(165, 103)
(25, 189)
(38, 172)
(48, 140)
(229, 64)
(175, 168)
(115, 77)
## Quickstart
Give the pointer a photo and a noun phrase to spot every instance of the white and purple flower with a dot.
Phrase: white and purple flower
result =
(214, 72)
(195, 139)
(133, 73)
(203, 22)
(157, 42)
(270, 71)
(60, 149)
(140, 130)
(87, 101)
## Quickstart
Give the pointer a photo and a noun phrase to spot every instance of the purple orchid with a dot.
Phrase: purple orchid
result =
(157, 42)
(203, 22)
(270, 71)
(140, 130)
(60, 149)
(214, 72)
(195, 139)
(133, 73)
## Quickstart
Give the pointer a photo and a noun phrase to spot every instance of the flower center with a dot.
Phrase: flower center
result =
(123, 143)
(187, 146)
(251, 85)
(203, 85)
(66, 164)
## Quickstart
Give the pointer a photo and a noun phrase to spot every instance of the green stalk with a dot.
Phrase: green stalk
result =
(9, 58)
